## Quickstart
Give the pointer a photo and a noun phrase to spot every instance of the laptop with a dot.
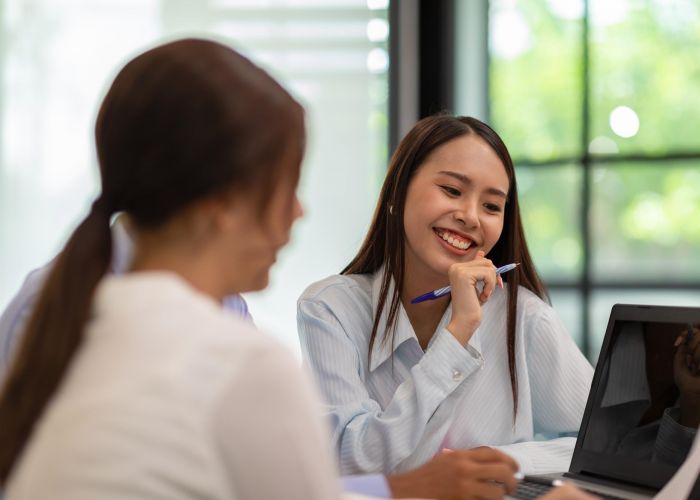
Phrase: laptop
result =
(632, 438)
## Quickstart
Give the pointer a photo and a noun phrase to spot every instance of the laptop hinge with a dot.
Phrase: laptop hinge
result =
(613, 483)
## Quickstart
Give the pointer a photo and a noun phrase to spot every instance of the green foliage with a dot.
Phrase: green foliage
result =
(645, 216)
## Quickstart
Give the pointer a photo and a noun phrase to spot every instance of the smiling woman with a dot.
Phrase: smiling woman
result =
(486, 366)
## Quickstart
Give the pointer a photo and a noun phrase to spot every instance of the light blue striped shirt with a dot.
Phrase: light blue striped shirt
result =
(399, 411)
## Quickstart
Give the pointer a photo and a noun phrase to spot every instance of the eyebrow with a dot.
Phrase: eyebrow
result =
(466, 180)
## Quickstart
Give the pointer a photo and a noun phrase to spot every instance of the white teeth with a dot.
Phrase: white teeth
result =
(462, 245)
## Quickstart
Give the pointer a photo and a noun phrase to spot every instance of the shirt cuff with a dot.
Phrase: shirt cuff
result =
(448, 363)
(373, 485)
(673, 440)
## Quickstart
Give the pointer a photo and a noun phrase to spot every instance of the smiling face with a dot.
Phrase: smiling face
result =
(454, 207)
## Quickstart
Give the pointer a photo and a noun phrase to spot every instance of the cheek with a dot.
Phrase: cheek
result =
(493, 228)
(413, 225)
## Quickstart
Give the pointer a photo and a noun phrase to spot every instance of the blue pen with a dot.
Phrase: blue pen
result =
(436, 294)
(689, 336)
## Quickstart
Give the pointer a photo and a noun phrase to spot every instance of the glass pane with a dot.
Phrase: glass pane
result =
(567, 304)
(331, 54)
(644, 69)
(549, 204)
(646, 222)
(603, 300)
(535, 77)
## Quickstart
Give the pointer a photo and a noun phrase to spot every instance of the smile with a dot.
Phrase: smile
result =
(457, 241)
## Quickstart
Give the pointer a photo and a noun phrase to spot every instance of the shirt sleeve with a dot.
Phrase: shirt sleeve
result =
(368, 436)
(560, 380)
(673, 440)
(560, 376)
(269, 434)
(373, 485)
(237, 305)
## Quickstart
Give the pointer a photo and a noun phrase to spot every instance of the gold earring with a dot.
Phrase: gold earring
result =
(391, 209)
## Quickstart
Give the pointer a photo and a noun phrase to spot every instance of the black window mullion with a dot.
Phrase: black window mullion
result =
(585, 187)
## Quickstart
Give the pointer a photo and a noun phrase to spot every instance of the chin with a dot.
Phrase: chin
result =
(442, 266)
(259, 283)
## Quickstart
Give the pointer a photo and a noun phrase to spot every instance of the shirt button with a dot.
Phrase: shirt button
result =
(457, 375)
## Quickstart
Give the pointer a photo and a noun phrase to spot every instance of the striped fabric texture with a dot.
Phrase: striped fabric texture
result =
(398, 411)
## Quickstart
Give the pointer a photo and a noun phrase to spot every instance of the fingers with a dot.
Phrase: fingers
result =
(693, 351)
(486, 454)
(491, 469)
(487, 490)
(477, 270)
(688, 350)
(499, 472)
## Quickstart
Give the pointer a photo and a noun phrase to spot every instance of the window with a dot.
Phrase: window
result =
(59, 56)
(599, 104)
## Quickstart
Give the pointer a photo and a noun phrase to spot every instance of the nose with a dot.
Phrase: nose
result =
(298, 210)
(467, 214)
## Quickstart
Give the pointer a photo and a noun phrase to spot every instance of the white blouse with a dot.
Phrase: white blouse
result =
(399, 411)
(171, 397)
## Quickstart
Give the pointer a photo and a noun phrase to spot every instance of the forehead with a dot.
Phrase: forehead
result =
(470, 156)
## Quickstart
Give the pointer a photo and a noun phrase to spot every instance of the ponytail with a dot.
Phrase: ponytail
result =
(181, 122)
(54, 333)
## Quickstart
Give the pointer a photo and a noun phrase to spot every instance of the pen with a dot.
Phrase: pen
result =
(435, 294)
(689, 336)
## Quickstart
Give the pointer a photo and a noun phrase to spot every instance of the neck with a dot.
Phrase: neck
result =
(425, 316)
(196, 276)
(183, 256)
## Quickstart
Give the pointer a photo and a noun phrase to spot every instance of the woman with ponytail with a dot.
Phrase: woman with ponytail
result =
(142, 385)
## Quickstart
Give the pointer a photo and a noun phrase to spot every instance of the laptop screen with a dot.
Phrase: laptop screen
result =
(644, 407)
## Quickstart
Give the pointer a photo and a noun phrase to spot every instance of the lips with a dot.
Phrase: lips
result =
(455, 240)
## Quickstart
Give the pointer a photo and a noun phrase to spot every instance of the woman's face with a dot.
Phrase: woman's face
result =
(454, 206)
(254, 239)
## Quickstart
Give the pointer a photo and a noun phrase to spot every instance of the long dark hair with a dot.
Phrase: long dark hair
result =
(385, 240)
(181, 122)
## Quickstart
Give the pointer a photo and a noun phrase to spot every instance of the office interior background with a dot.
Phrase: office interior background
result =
(598, 101)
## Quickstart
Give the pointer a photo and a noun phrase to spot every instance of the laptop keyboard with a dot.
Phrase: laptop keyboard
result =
(527, 490)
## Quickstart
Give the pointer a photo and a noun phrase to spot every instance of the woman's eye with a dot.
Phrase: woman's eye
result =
(492, 208)
(451, 191)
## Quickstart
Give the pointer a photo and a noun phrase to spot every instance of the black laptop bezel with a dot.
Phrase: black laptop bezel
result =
(590, 463)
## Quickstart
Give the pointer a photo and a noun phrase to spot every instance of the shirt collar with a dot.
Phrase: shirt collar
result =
(122, 247)
(382, 350)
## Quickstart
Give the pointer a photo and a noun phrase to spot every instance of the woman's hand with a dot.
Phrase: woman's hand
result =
(458, 475)
(466, 298)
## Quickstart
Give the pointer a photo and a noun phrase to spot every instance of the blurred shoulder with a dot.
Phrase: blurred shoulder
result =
(339, 288)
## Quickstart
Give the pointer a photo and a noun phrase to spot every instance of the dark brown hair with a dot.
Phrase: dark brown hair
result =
(181, 122)
(385, 240)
